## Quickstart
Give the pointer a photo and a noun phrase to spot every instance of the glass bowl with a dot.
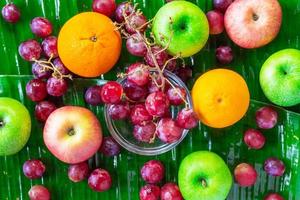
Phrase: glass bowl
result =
(122, 130)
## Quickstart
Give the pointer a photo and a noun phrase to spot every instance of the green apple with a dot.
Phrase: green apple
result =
(15, 126)
(203, 175)
(182, 26)
(280, 77)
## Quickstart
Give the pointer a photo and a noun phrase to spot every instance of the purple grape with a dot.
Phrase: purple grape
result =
(144, 132)
(119, 111)
(136, 46)
(136, 22)
(224, 54)
(93, 95)
(222, 5)
(160, 56)
(110, 147)
(39, 72)
(187, 119)
(60, 66)
(274, 167)
(30, 50)
(78, 172)
(36, 90)
(11, 13)
(125, 8)
(266, 117)
(134, 92)
(34, 169)
(56, 87)
(41, 27)
(49, 46)
(43, 109)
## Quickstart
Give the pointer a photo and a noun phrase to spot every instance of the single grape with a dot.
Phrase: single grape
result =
(11, 13)
(266, 117)
(136, 46)
(41, 27)
(176, 95)
(111, 92)
(93, 95)
(168, 131)
(39, 192)
(160, 56)
(170, 191)
(134, 92)
(222, 5)
(274, 167)
(224, 55)
(187, 119)
(57, 87)
(136, 22)
(153, 171)
(139, 115)
(144, 132)
(78, 172)
(123, 9)
(34, 169)
(184, 73)
(105, 7)
(60, 66)
(273, 196)
(110, 147)
(138, 74)
(150, 192)
(36, 90)
(245, 175)
(43, 109)
(30, 50)
(40, 72)
(119, 111)
(216, 22)
(157, 104)
(99, 180)
(254, 139)
(49, 46)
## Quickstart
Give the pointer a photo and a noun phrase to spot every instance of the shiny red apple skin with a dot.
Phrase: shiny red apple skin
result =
(253, 24)
(86, 138)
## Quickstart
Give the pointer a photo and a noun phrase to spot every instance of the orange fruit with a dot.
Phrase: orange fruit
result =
(89, 44)
(220, 97)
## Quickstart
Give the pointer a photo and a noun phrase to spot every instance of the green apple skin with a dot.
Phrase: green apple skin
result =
(15, 126)
(183, 26)
(280, 77)
(208, 166)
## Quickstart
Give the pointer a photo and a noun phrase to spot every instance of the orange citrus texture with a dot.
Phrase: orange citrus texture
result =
(89, 44)
(221, 98)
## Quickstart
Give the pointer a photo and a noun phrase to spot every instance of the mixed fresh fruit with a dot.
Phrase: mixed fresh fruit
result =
(89, 45)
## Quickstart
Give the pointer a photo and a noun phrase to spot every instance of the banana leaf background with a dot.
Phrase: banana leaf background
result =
(282, 141)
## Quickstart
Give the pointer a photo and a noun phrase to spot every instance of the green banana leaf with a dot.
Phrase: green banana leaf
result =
(282, 141)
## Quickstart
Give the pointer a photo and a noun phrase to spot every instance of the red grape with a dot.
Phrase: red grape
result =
(216, 22)
(39, 72)
(168, 131)
(36, 90)
(111, 92)
(99, 180)
(60, 66)
(78, 172)
(187, 119)
(105, 7)
(184, 73)
(153, 171)
(157, 104)
(30, 50)
(39, 192)
(139, 115)
(150, 192)
(170, 191)
(41, 27)
(266, 117)
(176, 95)
(144, 132)
(274, 167)
(160, 56)
(119, 111)
(245, 175)
(136, 46)
(43, 109)
(11, 13)
(254, 139)
(134, 92)
(33, 169)
(136, 22)
(224, 54)
(273, 196)
(222, 5)
(123, 9)
(138, 74)
(110, 147)
(93, 95)
(172, 64)
(56, 87)
(49, 46)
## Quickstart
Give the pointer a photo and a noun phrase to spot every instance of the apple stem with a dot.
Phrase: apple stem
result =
(203, 183)
(71, 132)
(1, 123)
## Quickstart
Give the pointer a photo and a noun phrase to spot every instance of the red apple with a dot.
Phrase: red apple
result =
(251, 23)
(72, 134)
